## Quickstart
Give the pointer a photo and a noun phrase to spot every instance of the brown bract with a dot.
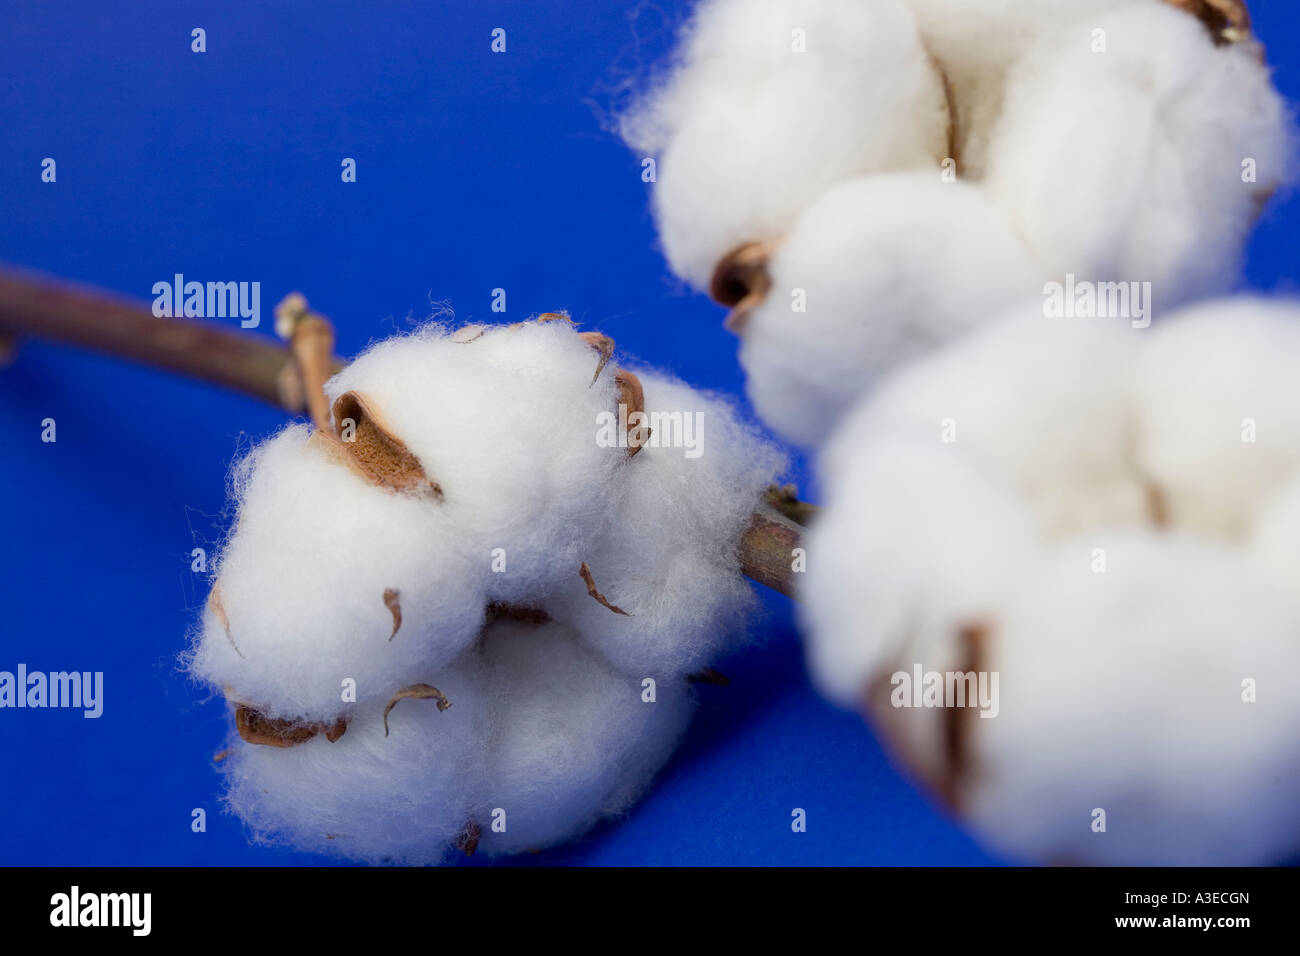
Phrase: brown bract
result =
(1227, 20)
(467, 841)
(948, 773)
(256, 729)
(416, 692)
(392, 601)
(311, 343)
(741, 282)
(585, 573)
(214, 602)
(374, 451)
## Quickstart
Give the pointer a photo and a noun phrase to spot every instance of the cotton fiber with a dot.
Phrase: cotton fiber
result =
(1097, 524)
(575, 740)
(471, 479)
(1097, 141)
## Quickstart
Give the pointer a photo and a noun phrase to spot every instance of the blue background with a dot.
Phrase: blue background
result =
(475, 171)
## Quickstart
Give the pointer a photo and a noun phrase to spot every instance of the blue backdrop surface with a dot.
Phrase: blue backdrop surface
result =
(475, 171)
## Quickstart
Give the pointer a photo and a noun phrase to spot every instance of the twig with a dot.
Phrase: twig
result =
(43, 308)
(39, 307)
(785, 499)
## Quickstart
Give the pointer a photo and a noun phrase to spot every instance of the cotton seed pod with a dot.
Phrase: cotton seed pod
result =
(1041, 499)
(471, 479)
(769, 103)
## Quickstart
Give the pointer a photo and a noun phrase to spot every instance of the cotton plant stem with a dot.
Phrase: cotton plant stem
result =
(39, 307)
(43, 308)
(767, 549)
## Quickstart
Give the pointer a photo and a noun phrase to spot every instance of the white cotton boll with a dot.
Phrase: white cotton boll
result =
(917, 542)
(877, 271)
(1055, 497)
(669, 555)
(574, 740)
(772, 102)
(1146, 162)
(303, 581)
(977, 41)
(1043, 403)
(467, 478)
(1125, 692)
(1218, 410)
(401, 798)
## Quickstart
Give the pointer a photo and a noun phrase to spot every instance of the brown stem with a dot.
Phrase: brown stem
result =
(32, 306)
(39, 307)
(785, 499)
(767, 550)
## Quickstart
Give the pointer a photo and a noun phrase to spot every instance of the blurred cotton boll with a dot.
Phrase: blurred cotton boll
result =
(1077, 516)
(1095, 143)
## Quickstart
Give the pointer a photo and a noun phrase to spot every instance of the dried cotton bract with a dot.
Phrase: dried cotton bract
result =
(448, 604)
(1091, 531)
(862, 181)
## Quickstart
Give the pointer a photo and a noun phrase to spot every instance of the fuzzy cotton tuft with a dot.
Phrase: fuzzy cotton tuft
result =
(1047, 507)
(485, 496)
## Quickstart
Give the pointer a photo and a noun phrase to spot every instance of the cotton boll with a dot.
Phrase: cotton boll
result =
(465, 479)
(917, 542)
(1218, 410)
(977, 41)
(1043, 403)
(1053, 497)
(405, 797)
(883, 268)
(1124, 692)
(575, 741)
(669, 557)
(773, 102)
(1131, 164)
(302, 602)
